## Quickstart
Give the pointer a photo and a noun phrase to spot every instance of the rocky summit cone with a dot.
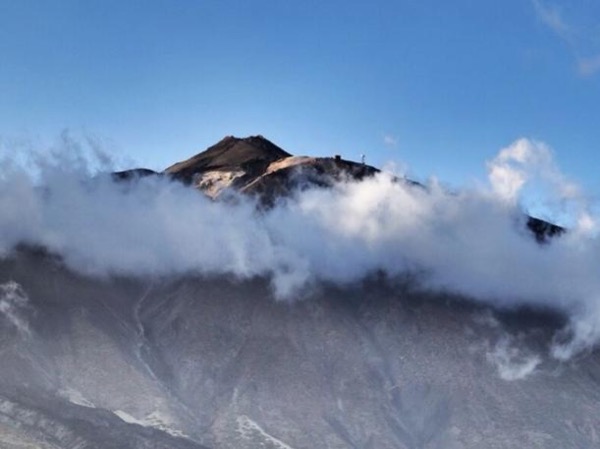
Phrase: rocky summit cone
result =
(254, 165)
(251, 154)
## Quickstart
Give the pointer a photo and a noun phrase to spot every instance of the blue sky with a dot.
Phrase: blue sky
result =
(439, 86)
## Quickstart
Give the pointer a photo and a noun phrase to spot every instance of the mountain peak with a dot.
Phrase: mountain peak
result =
(253, 152)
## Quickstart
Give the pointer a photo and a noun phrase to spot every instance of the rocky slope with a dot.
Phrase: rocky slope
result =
(192, 363)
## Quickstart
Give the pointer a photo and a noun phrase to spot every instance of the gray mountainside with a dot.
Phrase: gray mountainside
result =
(197, 362)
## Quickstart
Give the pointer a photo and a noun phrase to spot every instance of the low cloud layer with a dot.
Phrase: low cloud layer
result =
(473, 242)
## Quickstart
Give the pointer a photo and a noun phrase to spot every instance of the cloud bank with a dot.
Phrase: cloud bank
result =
(473, 242)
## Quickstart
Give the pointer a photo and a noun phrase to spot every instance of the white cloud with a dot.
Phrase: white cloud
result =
(13, 301)
(529, 165)
(390, 140)
(515, 165)
(471, 242)
(510, 361)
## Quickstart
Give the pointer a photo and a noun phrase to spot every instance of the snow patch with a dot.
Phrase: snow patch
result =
(155, 419)
(128, 418)
(249, 429)
(512, 363)
(75, 397)
(13, 300)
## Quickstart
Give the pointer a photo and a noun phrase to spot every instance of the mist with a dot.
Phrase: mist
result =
(471, 242)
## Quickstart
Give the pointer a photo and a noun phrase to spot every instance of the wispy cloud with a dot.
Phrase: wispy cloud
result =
(551, 17)
(589, 66)
(578, 39)
(390, 141)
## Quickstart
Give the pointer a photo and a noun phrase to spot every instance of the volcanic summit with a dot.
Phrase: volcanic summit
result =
(255, 165)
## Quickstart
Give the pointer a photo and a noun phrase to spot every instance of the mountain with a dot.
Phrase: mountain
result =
(214, 361)
(252, 154)
(257, 167)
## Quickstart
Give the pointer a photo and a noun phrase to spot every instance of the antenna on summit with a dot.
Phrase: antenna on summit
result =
(362, 159)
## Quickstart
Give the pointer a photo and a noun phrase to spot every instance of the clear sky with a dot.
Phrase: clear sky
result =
(438, 85)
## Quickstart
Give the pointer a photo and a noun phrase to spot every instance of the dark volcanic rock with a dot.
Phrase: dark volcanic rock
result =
(256, 166)
(298, 173)
(252, 154)
(134, 173)
(543, 230)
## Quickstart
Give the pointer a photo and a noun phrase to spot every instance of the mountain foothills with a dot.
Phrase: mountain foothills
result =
(202, 361)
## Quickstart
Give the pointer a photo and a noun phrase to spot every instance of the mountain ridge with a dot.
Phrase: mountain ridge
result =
(256, 166)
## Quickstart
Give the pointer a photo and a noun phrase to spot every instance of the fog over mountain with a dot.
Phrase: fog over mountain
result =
(248, 298)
